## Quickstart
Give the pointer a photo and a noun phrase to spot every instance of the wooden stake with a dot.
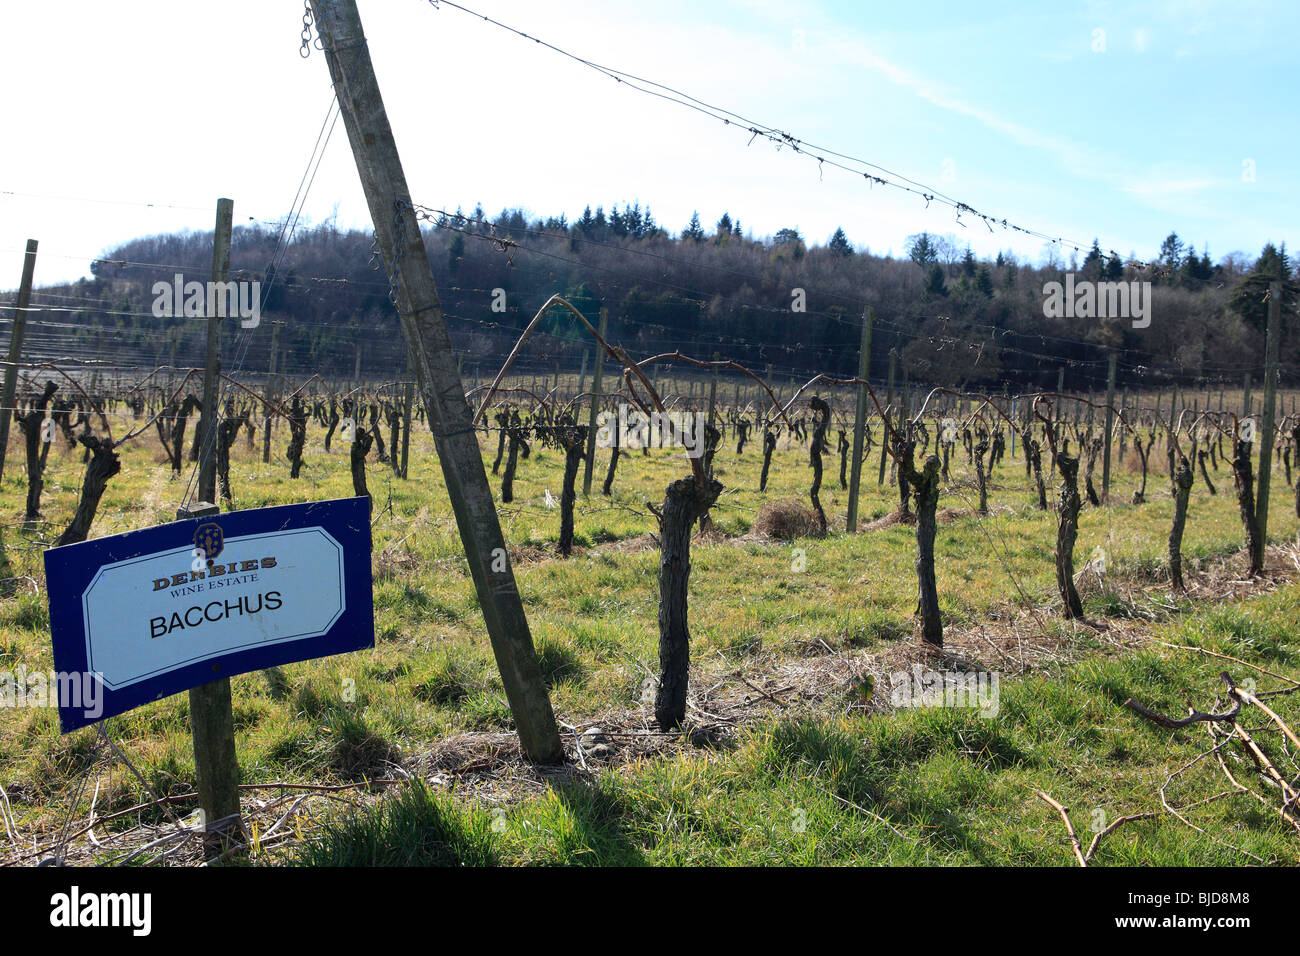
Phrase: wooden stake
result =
(425, 330)
(884, 435)
(212, 724)
(595, 407)
(270, 393)
(15, 349)
(209, 415)
(1267, 414)
(860, 419)
(1110, 427)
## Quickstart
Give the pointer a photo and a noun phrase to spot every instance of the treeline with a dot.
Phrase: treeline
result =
(778, 301)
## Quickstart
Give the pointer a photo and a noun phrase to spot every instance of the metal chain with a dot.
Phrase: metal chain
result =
(304, 51)
(399, 248)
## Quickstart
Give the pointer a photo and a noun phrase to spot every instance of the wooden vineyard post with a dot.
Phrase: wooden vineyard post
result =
(1267, 417)
(211, 718)
(859, 419)
(1110, 427)
(424, 327)
(706, 520)
(208, 415)
(15, 349)
(270, 392)
(595, 407)
(884, 445)
(212, 723)
(713, 404)
(1123, 407)
(1012, 430)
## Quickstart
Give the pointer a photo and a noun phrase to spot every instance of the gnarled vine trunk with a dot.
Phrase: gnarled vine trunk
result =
(769, 446)
(512, 460)
(227, 432)
(1295, 438)
(501, 441)
(571, 440)
(607, 487)
(844, 461)
(1200, 460)
(361, 442)
(1034, 460)
(1243, 473)
(1067, 531)
(981, 477)
(925, 486)
(31, 427)
(1093, 447)
(904, 465)
(822, 412)
(1182, 492)
(297, 437)
(103, 465)
(684, 503)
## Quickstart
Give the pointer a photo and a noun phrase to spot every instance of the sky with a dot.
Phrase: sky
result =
(1121, 121)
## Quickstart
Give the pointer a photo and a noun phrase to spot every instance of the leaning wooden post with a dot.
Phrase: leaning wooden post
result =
(595, 406)
(1110, 427)
(442, 391)
(15, 349)
(1267, 416)
(860, 419)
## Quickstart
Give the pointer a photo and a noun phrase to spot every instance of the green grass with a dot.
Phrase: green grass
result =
(412, 828)
(593, 619)
(920, 787)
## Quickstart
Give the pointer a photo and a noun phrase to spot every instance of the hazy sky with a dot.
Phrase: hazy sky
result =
(1117, 120)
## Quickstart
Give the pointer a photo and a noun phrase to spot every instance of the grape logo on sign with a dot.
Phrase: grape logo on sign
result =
(209, 540)
(948, 432)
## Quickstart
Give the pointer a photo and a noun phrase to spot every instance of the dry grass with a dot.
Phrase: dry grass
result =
(785, 520)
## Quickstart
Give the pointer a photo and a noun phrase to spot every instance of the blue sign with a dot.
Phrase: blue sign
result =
(139, 616)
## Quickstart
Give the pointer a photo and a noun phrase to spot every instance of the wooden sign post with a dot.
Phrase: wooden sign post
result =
(139, 616)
